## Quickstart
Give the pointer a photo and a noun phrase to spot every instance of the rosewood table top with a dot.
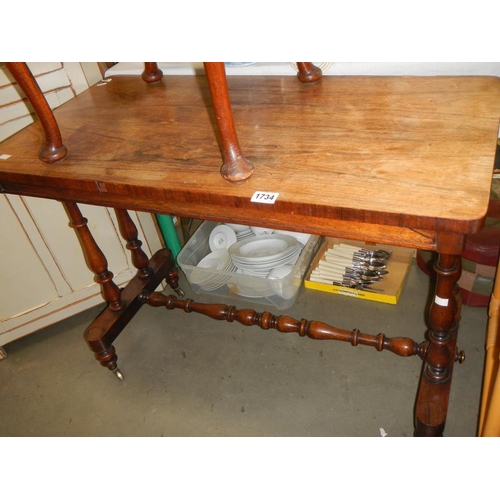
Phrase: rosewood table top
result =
(400, 160)
(390, 159)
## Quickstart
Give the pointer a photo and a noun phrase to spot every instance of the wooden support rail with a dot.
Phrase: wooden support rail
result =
(314, 329)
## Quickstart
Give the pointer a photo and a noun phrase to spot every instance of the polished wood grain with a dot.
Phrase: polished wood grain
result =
(403, 156)
(235, 166)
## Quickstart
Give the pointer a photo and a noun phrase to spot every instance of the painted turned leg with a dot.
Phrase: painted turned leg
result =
(235, 166)
(435, 381)
(53, 150)
(308, 72)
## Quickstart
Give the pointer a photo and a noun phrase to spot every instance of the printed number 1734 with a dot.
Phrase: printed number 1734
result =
(264, 197)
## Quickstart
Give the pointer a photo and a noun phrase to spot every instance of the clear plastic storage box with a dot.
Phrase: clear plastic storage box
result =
(230, 282)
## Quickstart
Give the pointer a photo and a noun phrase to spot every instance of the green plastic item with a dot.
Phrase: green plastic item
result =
(169, 233)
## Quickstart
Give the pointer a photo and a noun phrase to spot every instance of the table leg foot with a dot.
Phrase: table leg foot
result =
(433, 395)
(119, 374)
(108, 359)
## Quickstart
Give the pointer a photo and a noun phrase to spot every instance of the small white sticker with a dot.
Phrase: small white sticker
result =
(264, 197)
(4, 157)
(440, 301)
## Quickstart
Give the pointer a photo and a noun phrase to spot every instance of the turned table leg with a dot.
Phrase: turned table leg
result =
(435, 380)
(97, 262)
(103, 331)
(95, 258)
(129, 233)
(140, 260)
(122, 304)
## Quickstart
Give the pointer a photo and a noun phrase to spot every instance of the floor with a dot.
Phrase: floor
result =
(189, 376)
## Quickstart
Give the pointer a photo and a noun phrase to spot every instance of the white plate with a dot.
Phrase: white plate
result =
(262, 266)
(262, 274)
(222, 236)
(264, 248)
(238, 228)
(280, 272)
(244, 234)
(219, 260)
(261, 230)
(302, 238)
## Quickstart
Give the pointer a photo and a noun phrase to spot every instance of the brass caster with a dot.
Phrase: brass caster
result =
(459, 357)
(118, 373)
(179, 292)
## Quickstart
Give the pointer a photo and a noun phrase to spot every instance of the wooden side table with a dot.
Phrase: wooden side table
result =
(404, 161)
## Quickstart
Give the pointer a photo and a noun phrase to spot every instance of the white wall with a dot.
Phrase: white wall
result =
(329, 68)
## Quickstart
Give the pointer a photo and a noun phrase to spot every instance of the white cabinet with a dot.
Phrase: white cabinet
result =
(43, 275)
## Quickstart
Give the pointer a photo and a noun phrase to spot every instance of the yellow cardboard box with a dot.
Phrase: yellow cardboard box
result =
(392, 284)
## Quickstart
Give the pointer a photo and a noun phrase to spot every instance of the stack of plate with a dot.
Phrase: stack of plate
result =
(242, 255)
(259, 254)
(218, 260)
(242, 232)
